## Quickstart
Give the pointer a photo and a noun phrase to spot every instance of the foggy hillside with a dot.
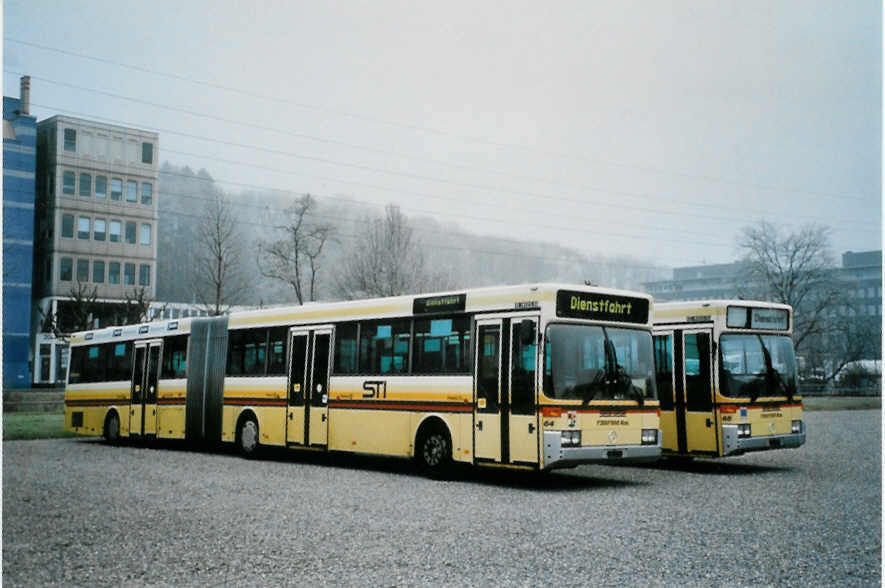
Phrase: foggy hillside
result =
(462, 259)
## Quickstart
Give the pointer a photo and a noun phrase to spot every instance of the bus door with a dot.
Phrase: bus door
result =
(523, 415)
(307, 418)
(695, 411)
(505, 422)
(487, 391)
(143, 391)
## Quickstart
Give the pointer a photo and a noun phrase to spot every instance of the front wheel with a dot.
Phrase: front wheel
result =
(111, 432)
(434, 452)
(247, 437)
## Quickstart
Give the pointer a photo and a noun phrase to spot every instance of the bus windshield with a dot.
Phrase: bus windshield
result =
(587, 363)
(757, 365)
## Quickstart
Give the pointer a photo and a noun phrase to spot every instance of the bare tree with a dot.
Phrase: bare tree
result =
(387, 260)
(80, 311)
(135, 308)
(795, 269)
(217, 280)
(294, 259)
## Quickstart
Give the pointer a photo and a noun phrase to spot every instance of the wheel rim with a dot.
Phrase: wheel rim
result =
(434, 450)
(249, 436)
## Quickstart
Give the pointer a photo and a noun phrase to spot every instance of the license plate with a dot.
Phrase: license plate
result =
(615, 454)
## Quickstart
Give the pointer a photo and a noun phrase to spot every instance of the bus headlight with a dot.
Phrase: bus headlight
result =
(797, 426)
(571, 439)
(743, 430)
(649, 436)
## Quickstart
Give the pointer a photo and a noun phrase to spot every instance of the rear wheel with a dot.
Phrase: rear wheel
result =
(247, 437)
(111, 431)
(434, 452)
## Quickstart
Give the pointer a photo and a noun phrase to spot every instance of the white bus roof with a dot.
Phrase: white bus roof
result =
(524, 296)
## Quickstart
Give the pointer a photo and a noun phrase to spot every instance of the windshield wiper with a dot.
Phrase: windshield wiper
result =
(616, 374)
(591, 387)
(773, 374)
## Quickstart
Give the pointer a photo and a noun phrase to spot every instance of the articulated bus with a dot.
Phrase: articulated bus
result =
(537, 377)
(726, 377)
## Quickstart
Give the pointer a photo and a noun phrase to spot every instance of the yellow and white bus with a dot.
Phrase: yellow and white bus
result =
(726, 377)
(535, 376)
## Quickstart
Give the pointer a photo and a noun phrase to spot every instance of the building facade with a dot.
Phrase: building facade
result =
(19, 162)
(96, 230)
(859, 279)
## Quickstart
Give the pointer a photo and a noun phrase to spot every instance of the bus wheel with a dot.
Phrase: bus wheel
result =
(247, 437)
(434, 451)
(111, 431)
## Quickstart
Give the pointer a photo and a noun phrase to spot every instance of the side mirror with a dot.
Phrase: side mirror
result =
(527, 332)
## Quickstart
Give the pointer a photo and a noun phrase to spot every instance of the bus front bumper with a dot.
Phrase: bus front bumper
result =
(556, 456)
(732, 445)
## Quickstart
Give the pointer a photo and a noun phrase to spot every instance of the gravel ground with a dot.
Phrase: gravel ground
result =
(77, 512)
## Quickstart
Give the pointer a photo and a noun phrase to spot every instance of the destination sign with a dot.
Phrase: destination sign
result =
(741, 317)
(603, 307)
(438, 304)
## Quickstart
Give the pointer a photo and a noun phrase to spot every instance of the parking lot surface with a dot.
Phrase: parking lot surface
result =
(78, 512)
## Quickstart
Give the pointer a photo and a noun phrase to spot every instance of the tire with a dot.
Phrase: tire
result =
(247, 437)
(434, 452)
(111, 431)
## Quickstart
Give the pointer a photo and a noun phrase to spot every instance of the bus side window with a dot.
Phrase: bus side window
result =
(119, 357)
(664, 369)
(276, 351)
(174, 357)
(345, 349)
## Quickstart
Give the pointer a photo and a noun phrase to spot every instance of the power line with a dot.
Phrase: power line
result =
(289, 133)
(435, 131)
(530, 195)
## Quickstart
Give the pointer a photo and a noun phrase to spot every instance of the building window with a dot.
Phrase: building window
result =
(83, 227)
(147, 193)
(116, 188)
(82, 270)
(114, 272)
(130, 232)
(85, 185)
(131, 191)
(144, 275)
(147, 152)
(67, 225)
(70, 140)
(98, 272)
(145, 234)
(116, 227)
(99, 231)
(129, 274)
(101, 187)
(67, 183)
(66, 272)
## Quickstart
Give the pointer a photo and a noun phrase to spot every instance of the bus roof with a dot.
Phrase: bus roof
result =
(693, 311)
(524, 296)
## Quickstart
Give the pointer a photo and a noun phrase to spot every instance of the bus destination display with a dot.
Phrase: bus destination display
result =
(605, 307)
(435, 304)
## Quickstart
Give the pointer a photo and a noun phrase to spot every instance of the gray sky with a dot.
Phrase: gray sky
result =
(654, 129)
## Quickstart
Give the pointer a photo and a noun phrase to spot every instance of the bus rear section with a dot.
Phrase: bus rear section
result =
(727, 379)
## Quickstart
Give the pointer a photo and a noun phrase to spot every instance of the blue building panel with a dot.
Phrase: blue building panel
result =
(18, 224)
(18, 190)
(15, 322)
(19, 166)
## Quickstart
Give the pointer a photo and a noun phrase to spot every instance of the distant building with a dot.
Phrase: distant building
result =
(19, 162)
(697, 282)
(862, 274)
(96, 230)
(860, 278)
